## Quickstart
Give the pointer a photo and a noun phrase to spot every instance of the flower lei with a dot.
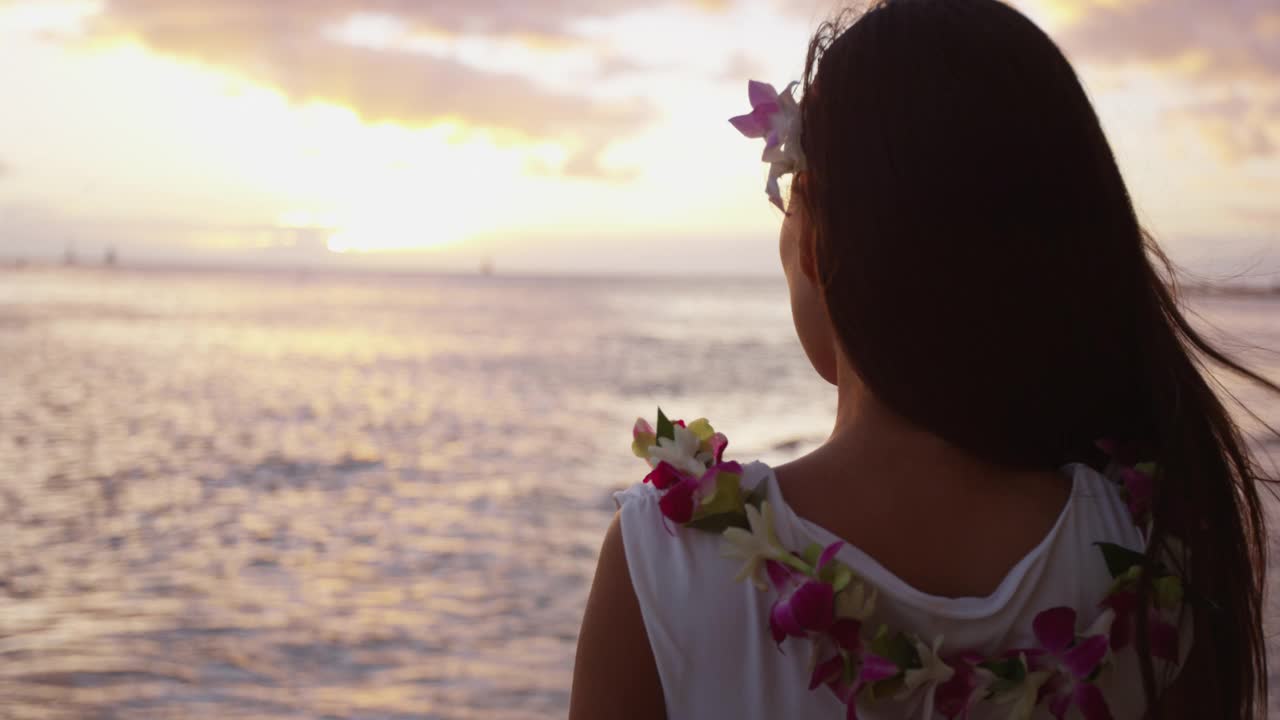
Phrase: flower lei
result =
(822, 600)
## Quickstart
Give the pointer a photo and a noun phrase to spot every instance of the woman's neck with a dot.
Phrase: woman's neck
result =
(869, 435)
(894, 490)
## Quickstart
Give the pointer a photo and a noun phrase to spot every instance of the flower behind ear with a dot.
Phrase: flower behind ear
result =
(774, 116)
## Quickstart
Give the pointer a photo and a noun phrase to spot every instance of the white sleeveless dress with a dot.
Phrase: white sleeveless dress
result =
(710, 634)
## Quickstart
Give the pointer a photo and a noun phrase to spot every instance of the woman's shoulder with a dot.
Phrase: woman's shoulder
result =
(672, 535)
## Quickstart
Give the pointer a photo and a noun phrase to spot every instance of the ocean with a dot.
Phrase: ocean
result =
(272, 495)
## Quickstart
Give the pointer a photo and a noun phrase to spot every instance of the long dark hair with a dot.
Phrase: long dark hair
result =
(989, 281)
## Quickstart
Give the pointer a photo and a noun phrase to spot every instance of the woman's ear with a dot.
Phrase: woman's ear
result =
(806, 237)
(809, 252)
(808, 304)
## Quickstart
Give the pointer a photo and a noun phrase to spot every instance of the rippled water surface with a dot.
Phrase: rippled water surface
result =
(274, 496)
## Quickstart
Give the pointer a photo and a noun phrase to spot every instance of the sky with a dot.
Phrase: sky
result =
(542, 136)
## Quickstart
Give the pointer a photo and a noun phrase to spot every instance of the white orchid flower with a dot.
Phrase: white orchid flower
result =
(856, 601)
(754, 547)
(679, 451)
(1102, 624)
(1025, 696)
(933, 671)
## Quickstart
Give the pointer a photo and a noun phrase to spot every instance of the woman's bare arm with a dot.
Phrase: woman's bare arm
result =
(614, 675)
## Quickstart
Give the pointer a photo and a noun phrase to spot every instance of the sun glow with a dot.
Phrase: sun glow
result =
(391, 235)
(241, 165)
(387, 187)
(46, 17)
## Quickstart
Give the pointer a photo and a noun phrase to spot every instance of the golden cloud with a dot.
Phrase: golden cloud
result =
(1226, 53)
(290, 45)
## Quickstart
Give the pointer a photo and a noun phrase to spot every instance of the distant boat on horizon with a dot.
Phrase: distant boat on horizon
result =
(486, 267)
(109, 257)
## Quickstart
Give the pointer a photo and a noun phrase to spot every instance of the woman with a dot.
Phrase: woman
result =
(1032, 503)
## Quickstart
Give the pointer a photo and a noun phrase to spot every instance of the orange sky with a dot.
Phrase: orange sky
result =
(577, 135)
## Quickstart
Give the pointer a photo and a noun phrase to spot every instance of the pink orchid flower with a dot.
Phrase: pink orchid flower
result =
(664, 476)
(684, 492)
(955, 697)
(717, 443)
(642, 428)
(869, 667)
(764, 104)
(774, 116)
(1071, 664)
(805, 604)
(1136, 478)
(711, 444)
(642, 438)
(678, 503)
(1162, 635)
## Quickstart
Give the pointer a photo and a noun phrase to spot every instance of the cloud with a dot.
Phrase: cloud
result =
(292, 45)
(1239, 127)
(1227, 54)
(487, 17)
(1226, 39)
(1266, 218)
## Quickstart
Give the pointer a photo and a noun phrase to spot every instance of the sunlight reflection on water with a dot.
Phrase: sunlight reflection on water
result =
(273, 496)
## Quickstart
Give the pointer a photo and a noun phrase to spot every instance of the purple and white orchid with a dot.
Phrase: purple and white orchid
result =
(806, 603)
(1162, 635)
(686, 493)
(969, 683)
(774, 116)
(853, 666)
(1068, 664)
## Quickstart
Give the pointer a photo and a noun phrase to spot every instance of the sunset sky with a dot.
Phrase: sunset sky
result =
(573, 135)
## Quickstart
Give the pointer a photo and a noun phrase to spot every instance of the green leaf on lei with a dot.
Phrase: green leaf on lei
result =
(1009, 673)
(1146, 468)
(719, 522)
(1120, 559)
(727, 496)
(1125, 580)
(846, 672)
(666, 428)
(1168, 590)
(903, 653)
(835, 573)
(723, 508)
(897, 647)
(811, 553)
(840, 574)
(1013, 669)
(899, 650)
(888, 687)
